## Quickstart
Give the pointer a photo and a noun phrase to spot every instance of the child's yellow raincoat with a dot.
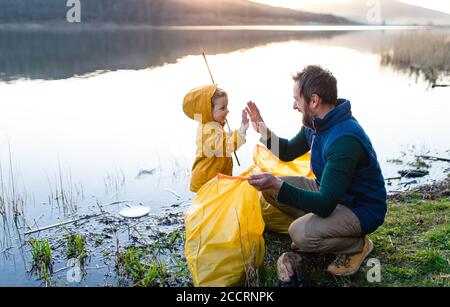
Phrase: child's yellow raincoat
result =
(214, 145)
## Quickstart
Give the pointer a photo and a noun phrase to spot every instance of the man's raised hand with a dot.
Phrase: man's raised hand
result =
(255, 116)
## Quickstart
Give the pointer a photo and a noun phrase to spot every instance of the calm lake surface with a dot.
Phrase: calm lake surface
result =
(85, 111)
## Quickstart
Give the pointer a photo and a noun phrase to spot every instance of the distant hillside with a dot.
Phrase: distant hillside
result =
(392, 12)
(161, 12)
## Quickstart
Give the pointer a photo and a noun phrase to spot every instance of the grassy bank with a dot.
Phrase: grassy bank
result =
(413, 247)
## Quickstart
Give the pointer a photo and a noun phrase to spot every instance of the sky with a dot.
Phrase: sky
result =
(438, 5)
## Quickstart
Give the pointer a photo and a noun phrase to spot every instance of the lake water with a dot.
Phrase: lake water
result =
(85, 110)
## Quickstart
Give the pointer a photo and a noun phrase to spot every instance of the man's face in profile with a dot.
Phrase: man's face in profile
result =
(301, 106)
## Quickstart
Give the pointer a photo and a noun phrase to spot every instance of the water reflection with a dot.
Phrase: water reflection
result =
(423, 53)
(50, 55)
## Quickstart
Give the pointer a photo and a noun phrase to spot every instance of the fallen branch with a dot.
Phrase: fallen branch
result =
(440, 85)
(434, 158)
(62, 223)
(393, 178)
(117, 203)
(409, 183)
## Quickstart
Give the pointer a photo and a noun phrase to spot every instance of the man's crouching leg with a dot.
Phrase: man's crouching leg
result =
(338, 234)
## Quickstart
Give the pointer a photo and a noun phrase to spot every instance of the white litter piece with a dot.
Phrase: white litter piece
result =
(134, 211)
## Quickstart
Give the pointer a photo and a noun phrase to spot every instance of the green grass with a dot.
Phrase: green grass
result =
(156, 265)
(42, 259)
(418, 164)
(413, 247)
(440, 237)
(132, 263)
(155, 276)
(76, 248)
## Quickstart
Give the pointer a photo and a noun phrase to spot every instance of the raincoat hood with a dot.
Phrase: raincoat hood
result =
(198, 101)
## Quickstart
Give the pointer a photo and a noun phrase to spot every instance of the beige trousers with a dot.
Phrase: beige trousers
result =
(339, 233)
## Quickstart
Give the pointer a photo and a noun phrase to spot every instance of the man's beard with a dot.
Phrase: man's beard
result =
(307, 117)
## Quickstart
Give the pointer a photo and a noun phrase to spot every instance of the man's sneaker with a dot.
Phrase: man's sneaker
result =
(345, 265)
(289, 271)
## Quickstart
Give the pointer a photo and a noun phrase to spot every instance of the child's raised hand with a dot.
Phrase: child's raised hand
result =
(245, 120)
(245, 123)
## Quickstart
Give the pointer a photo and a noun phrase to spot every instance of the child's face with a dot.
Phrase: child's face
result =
(220, 110)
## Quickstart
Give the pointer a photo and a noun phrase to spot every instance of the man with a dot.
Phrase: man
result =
(335, 212)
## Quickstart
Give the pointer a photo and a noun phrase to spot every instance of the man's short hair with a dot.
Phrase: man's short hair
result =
(316, 80)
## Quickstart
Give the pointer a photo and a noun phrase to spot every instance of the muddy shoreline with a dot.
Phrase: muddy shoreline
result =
(149, 251)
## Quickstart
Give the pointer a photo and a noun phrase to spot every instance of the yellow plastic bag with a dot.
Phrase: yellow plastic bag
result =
(225, 223)
(274, 219)
(266, 161)
(224, 228)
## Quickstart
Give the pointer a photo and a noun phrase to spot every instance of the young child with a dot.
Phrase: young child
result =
(209, 106)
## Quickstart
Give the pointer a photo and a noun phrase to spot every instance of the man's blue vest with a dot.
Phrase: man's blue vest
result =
(366, 195)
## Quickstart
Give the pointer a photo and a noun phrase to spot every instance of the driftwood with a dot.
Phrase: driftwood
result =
(434, 158)
(440, 85)
(63, 223)
(116, 203)
(393, 178)
(86, 217)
